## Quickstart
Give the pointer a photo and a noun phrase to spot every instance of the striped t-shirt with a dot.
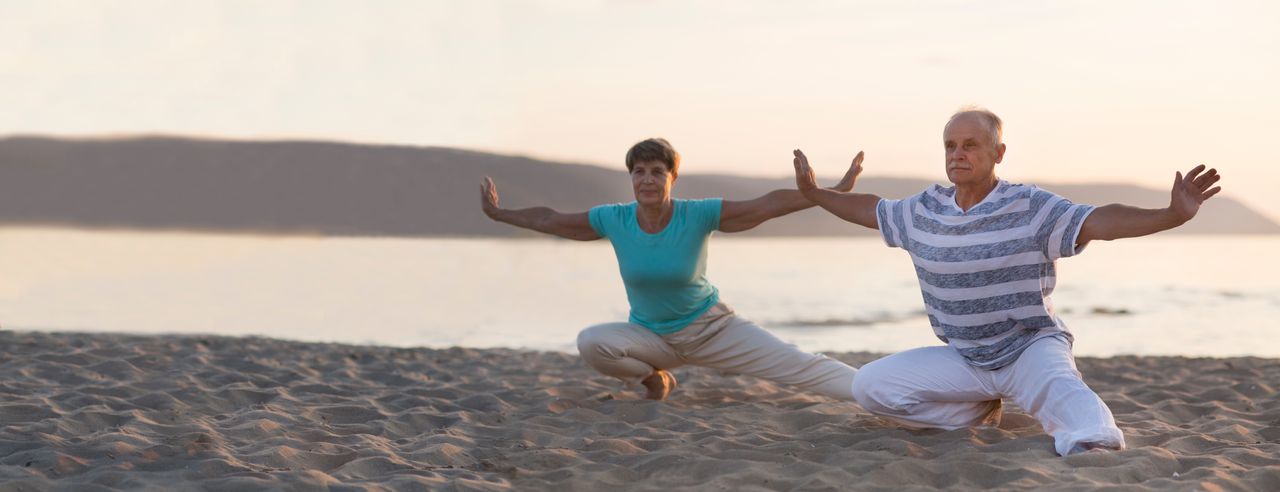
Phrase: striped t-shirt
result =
(986, 274)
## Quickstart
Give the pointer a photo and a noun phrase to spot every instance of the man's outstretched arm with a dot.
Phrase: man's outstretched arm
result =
(859, 208)
(1118, 221)
(737, 216)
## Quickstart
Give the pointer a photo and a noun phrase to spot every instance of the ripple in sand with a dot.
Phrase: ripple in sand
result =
(443, 454)
(20, 413)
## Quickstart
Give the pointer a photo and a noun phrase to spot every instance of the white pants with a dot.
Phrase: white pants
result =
(934, 387)
(718, 339)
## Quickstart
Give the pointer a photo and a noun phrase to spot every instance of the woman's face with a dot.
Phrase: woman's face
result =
(651, 181)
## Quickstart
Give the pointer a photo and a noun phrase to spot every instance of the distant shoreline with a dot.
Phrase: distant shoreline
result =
(354, 190)
(100, 228)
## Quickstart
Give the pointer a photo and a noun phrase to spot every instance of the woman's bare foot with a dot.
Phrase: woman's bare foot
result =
(659, 384)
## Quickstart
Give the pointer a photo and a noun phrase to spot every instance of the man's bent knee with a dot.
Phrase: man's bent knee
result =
(869, 390)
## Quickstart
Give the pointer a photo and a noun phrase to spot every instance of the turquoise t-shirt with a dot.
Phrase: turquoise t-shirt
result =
(664, 273)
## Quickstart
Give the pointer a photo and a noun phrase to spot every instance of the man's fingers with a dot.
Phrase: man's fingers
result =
(1212, 192)
(1195, 171)
(800, 159)
(1204, 178)
(1209, 182)
(857, 159)
(1208, 179)
(802, 166)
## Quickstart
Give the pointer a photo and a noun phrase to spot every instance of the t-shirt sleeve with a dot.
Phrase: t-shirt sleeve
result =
(602, 217)
(1060, 230)
(891, 222)
(706, 213)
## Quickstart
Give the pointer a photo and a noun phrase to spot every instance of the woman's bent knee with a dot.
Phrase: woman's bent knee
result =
(592, 338)
(586, 340)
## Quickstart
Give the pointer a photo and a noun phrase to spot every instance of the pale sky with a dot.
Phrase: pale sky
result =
(1089, 90)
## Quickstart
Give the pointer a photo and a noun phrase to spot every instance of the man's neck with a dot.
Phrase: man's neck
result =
(968, 195)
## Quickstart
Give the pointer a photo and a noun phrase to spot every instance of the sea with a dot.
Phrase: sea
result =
(1212, 296)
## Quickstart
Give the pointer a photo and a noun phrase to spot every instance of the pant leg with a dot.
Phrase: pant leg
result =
(734, 344)
(1044, 381)
(626, 351)
(927, 387)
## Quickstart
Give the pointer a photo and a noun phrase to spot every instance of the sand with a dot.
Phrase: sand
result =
(105, 412)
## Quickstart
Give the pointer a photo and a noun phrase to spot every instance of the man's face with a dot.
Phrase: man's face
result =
(971, 152)
(651, 182)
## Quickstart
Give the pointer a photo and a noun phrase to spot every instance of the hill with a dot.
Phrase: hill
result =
(348, 189)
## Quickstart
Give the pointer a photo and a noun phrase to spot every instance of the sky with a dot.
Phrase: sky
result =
(1118, 91)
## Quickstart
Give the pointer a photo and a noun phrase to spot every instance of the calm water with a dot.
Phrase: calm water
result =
(1213, 296)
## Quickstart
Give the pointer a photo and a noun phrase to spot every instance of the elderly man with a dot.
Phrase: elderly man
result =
(984, 252)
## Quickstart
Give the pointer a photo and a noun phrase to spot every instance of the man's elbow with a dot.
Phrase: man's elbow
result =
(1100, 232)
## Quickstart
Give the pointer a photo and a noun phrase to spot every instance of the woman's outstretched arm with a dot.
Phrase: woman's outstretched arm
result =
(542, 219)
(737, 216)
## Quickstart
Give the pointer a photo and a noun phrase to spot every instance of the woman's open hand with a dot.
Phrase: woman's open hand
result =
(489, 197)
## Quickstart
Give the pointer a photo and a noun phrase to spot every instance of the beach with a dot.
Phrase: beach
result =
(115, 412)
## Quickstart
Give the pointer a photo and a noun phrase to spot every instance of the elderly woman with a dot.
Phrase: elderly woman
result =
(677, 316)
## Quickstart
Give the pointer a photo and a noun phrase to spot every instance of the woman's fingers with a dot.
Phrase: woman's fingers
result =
(489, 192)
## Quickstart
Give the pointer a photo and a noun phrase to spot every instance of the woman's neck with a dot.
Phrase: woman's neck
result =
(654, 218)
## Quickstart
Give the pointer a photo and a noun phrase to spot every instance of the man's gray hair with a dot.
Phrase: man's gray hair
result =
(993, 122)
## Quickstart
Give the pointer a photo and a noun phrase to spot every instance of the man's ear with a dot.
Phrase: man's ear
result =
(1000, 153)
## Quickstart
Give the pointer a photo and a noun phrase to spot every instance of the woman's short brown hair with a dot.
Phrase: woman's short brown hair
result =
(654, 149)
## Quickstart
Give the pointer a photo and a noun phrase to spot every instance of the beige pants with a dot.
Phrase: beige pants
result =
(719, 340)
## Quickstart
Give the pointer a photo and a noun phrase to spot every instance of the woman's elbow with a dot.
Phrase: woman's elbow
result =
(740, 225)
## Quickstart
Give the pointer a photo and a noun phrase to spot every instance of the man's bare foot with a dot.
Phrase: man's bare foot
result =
(993, 417)
(1092, 447)
(659, 384)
